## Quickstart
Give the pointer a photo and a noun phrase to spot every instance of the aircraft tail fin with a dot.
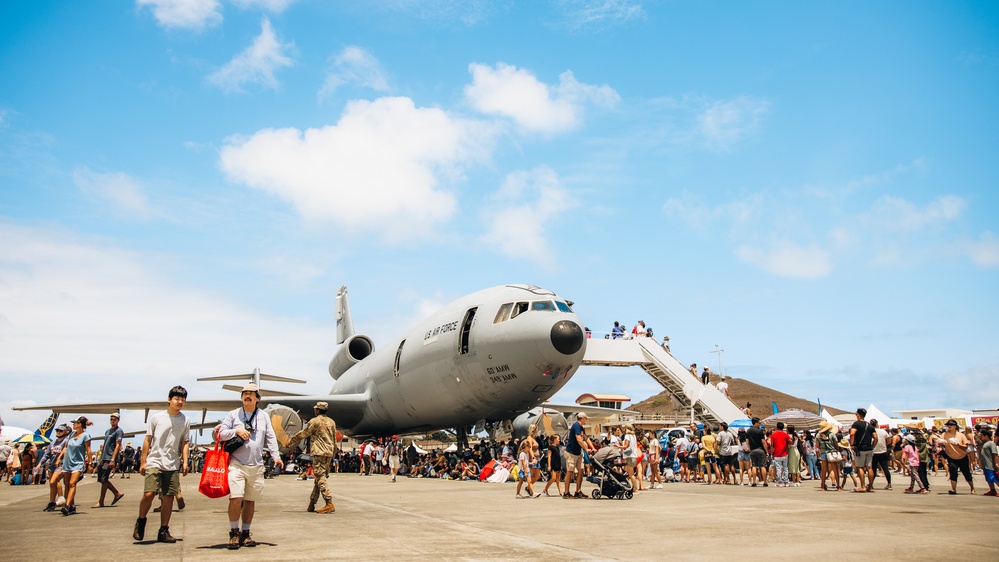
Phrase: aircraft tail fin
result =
(47, 425)
(344, 324)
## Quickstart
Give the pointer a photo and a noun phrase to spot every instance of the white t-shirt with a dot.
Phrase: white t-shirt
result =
(723, 387)
(631, 448)
(882, 445)
(168, 434)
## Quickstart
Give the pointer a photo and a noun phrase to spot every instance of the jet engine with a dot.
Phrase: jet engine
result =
(549, 422)
(286, 422)
(353, 350)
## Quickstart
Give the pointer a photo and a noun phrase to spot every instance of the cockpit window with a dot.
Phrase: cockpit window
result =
(543, 305)
(563, 306)
(518, 309)
(503, 314)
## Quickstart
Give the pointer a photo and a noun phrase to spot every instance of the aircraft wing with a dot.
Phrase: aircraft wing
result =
(590, 410)
(219, 405)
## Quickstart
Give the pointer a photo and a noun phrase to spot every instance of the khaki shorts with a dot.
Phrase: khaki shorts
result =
(394, 462)
(573, 463)
(245, 482)
(862, 459)
(162, 482)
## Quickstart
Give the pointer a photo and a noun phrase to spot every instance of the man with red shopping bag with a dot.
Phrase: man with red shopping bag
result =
(246, 464)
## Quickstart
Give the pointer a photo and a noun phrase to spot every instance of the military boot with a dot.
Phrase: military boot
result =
(140, 529)
(164, 535)
(328, 508)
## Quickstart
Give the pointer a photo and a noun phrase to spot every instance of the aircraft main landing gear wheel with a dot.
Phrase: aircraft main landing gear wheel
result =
(595, 494)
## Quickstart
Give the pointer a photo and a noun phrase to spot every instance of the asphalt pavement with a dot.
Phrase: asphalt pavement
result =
(424, 519)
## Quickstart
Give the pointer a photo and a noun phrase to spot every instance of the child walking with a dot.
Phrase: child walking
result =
(911, 457)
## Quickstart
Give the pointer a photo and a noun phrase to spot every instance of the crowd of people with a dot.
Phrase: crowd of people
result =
(838, 458)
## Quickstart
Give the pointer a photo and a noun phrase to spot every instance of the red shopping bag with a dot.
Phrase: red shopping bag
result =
(215, 474)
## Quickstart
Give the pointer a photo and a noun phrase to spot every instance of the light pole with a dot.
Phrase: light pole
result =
(719, 352)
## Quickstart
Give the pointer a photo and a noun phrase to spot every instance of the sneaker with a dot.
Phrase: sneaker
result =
(245, 540)
(50, 507)
(924, 491)
(567, 496)
(71, 510)
(140, 529)
(989, 493)
(908, 490)
(164, 535)
(233, 539)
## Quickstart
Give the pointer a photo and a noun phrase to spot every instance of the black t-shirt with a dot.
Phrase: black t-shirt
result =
(755, 436)
(863, 440)
(556, 457)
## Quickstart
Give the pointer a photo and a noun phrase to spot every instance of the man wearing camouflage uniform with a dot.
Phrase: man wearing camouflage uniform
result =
(322, 433)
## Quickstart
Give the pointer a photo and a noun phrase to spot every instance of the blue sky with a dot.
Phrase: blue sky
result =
(813, 188)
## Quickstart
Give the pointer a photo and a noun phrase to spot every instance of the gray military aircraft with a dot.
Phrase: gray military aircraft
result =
(487, 357)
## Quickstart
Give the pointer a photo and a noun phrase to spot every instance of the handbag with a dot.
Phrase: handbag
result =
(215, 473)
(233, 445)
(834, 456)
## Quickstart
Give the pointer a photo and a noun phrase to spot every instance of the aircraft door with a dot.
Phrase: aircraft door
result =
(465, 339)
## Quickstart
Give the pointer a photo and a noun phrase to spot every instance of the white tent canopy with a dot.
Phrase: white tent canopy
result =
(829, 417)
(884, 420)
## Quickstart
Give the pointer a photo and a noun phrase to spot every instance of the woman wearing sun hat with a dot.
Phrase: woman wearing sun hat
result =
(826, 441)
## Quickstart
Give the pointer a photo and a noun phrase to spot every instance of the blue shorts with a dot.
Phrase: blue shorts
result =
(990, 476)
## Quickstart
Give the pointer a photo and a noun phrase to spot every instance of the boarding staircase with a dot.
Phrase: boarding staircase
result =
(709, 405)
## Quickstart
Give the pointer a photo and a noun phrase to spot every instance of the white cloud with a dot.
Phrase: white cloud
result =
(523, 210)
(462, 12)
(354, 65)
(724, 123)
(896, 213)
(788, 259)
(256, 64)
(80, 311)
(273, 6)
(119, 189)
(534, 106)
(581, 14)
(383, 168)
(984, 252)
(185, 14)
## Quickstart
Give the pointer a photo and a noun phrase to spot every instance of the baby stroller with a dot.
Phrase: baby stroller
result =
(610, 480)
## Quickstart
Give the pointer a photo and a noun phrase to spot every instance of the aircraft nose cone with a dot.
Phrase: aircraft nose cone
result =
(567, 337)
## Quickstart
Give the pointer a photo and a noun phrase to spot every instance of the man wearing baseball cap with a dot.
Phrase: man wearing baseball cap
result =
(109, 452)
(574, 447)
(321, 431)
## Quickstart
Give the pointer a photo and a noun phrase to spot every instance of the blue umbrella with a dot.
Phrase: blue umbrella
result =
(741, 424)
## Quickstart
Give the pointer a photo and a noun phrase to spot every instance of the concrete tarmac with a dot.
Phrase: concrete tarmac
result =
(430, 519)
